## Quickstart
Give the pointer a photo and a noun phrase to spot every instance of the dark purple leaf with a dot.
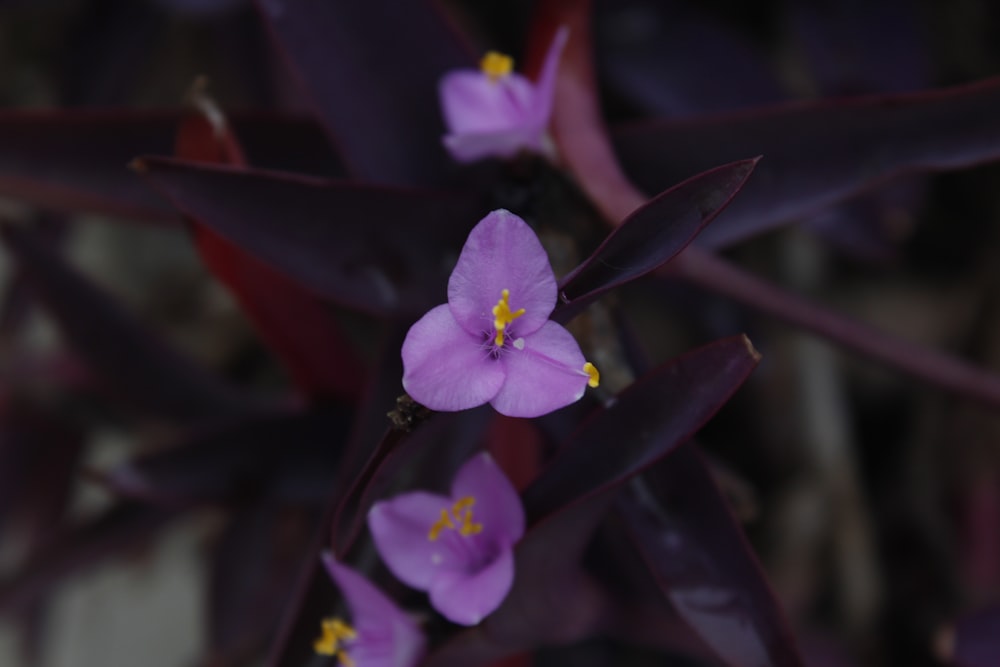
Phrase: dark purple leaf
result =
(114, 533)
(290, 456)
(817, 154)
(700, 558)
(651, 235)
(77, 160)
(372, 248)
(552, 600)
(372, 69)
(135, 364)
(977, 639)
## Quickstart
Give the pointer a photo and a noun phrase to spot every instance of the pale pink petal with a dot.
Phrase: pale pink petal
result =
(387, 637)
(545, 88)
(472, 102)
(473, 146)
(400, 528)
(498, 507)
(544, 375)
(468, 597)
(447, 368)
(502, 252)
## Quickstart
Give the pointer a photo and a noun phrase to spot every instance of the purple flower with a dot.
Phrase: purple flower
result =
(381, 636)
(496, 111)
(458, 548)
(493, 341)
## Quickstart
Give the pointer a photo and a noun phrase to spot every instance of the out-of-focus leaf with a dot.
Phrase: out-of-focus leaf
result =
(652, 235)
(113, 533)
(817, 154)
(372, 248)
(551, 601)
(297, 325)
(371, 70)
(976, 640)
(290, 456)
(131, 360)
(77, 160)
(647, 48)
(701, 560)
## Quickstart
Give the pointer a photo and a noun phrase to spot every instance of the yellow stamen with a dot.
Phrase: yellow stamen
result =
(502, 316)
(595, 375)
(335, 631)
(461, 511)
(496, 65)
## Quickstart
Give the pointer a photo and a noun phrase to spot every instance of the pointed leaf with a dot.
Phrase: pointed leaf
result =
(136, 365)
(371, 70)
(652, 235)
(701, 560)
(375, 249)
(817, 154)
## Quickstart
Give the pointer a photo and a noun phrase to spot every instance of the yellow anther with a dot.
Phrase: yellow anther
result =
(460, 511)
(496, 65)
(595, 375)
(502, 316)
(335, 631)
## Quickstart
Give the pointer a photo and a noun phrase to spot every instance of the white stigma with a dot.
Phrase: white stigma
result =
(519, 343)
(436, 559)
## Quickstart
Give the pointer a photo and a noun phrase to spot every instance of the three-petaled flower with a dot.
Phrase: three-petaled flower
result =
(458, 548)
(381, 635)
(496, 112)
(493, 341)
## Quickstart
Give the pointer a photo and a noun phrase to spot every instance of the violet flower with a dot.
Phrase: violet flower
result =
(381, 636)
(495, 111)
(493, 341)
(458, 548)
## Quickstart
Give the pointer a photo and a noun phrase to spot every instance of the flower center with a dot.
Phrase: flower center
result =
(496, 65)
(502, 316)
(335, 633)
(458, 517)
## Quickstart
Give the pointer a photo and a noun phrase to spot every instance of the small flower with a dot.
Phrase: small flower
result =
(496, 111)
(458, 548)
(382, 635)
(493, 341)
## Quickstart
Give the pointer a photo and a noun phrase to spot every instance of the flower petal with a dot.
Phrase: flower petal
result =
(400, 529)
(387, 637)
(445, 367)
(473, 146)
(545, 88)
(545, 375)
(468, 597)
(502, 252)
(472, 102)
(498, 507)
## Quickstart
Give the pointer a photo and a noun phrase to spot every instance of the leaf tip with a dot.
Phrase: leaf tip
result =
(751, 350)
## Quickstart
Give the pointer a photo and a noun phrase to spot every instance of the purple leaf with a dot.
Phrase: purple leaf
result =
(696, 550)
(287, 455)
(551, 600)
(77, 160)
(372, 248)
(977, 639)
(372, 70)
(652, 235)
(817, 154)
(132, 361)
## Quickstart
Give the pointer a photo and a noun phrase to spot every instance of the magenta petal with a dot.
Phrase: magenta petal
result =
(387, 637)
(502, 252)
(447, 368)
(545, 88)
(471, 102)
(545, 375)
(468, 597)
(498, 507)
(400, 528)
(473, 146)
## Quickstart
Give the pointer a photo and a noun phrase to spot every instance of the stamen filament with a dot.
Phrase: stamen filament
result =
(595, 375)
(502, 316)
(496, 65)
(461, 511)
(335, 631)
